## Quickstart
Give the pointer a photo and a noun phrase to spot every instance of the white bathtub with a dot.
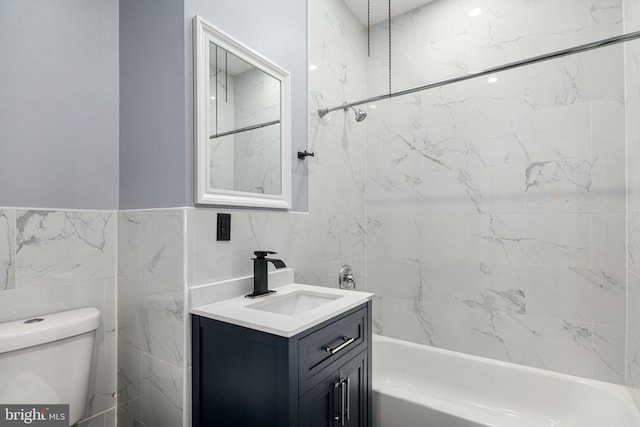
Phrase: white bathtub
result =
(420, 386)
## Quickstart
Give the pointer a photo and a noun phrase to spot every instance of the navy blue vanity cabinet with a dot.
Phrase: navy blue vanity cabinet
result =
(247, 378)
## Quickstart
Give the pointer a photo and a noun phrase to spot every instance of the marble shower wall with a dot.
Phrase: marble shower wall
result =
(333, 232)
(440, 40)
(501, 205)
(58, 260)
(632, 92)
(151, 318)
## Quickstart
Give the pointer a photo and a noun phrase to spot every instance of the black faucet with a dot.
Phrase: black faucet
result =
(260, 275)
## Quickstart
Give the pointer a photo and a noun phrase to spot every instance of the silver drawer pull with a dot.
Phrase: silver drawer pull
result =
(346, 342)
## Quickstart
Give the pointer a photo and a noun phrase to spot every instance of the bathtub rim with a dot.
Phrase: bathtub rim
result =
(616, 392)
(499, 363)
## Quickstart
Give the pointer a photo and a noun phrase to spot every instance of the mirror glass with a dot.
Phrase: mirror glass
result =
(244, 121)
(243, 131)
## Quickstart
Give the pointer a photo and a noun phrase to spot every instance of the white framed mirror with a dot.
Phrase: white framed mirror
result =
(242, 123)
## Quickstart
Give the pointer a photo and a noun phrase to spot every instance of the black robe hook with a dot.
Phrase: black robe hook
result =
(303, 154)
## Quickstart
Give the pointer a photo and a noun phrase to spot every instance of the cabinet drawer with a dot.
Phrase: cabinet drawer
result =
(319, 350)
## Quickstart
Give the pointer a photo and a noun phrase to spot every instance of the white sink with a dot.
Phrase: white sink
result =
(294, 303)
(293, 309)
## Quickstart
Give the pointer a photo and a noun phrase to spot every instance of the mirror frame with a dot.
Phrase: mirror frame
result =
(205, 33)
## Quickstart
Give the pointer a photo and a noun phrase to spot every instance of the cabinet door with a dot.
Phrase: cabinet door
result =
(355, 380)
(340, 399)
(317, 408)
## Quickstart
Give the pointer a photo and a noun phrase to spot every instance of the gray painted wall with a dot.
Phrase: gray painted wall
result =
(153, 158)
(96, 98)
(59, 103)
(278, 30)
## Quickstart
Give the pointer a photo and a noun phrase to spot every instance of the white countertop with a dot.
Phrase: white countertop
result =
(235, 310)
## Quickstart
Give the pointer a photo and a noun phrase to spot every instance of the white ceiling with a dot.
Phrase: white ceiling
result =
(380, 8)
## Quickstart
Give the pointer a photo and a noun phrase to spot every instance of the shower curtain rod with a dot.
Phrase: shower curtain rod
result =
(322, 111)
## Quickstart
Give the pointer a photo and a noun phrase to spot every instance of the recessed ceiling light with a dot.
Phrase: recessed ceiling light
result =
(313, 67)
(475, 12)
(492, 79)
(212, 98)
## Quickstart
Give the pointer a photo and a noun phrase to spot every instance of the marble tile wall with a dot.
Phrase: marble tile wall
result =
(210, 260)
(451, 43)
(57, 260)
(333, 232)
(501, 205)
(632, 93)
(151, 318)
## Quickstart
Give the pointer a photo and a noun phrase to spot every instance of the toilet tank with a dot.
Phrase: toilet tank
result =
(47, 359)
